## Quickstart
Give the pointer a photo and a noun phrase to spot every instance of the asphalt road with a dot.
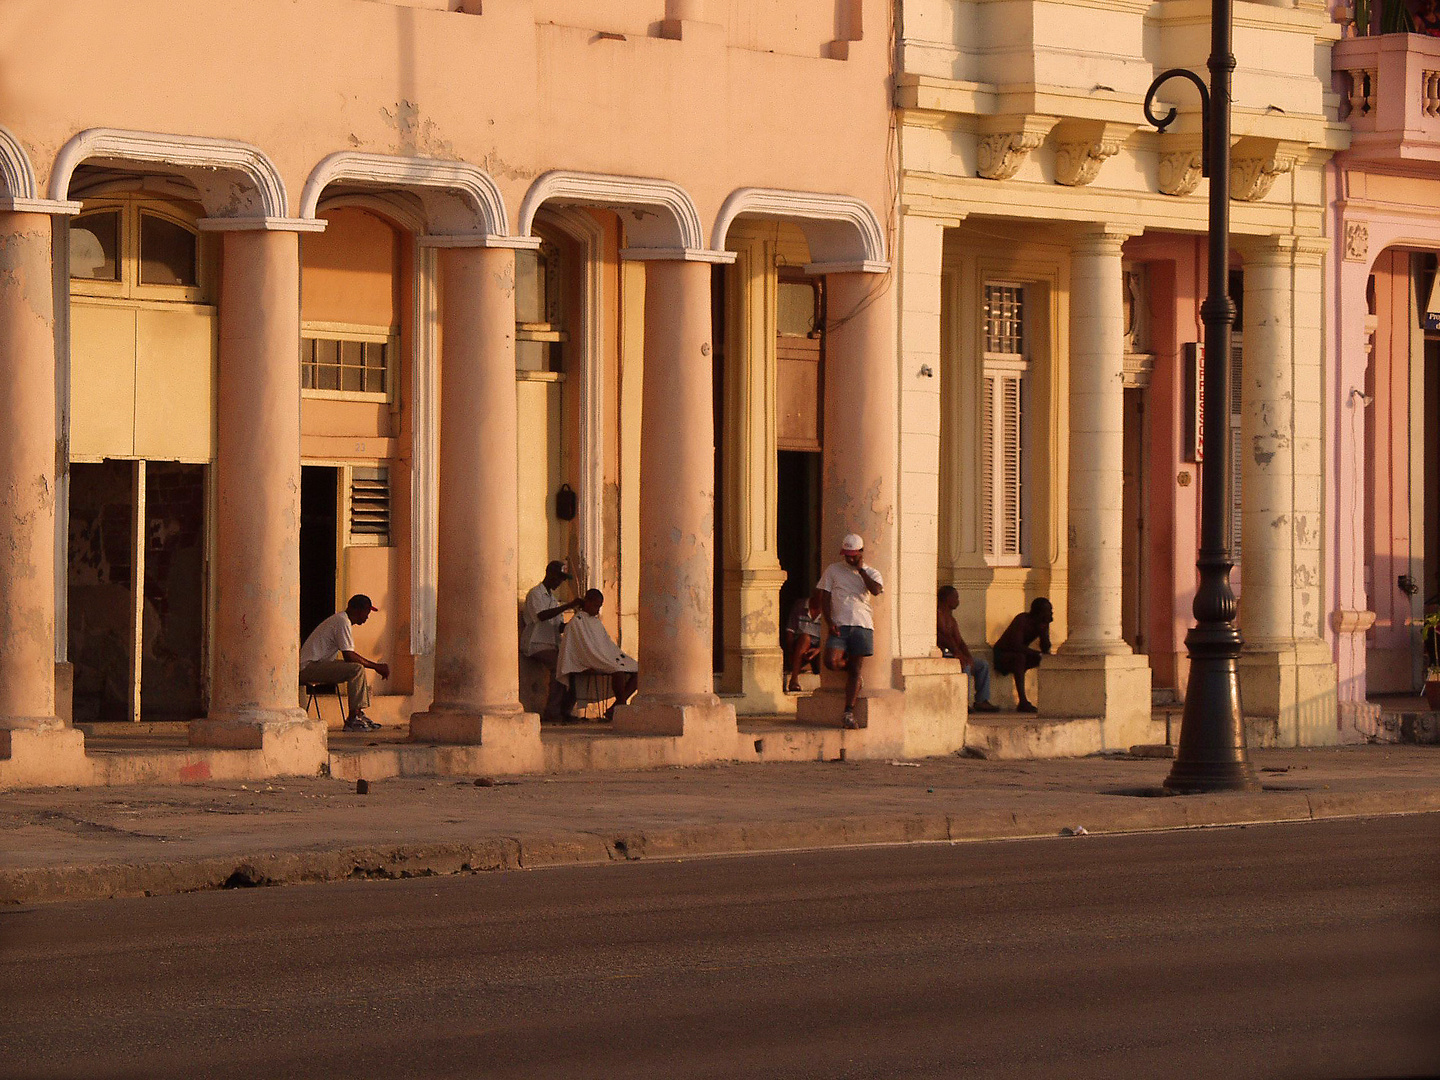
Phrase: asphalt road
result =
(1297, 951)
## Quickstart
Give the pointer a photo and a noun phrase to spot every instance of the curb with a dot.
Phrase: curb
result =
(32, 885)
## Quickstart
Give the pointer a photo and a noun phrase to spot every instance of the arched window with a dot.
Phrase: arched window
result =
(141, 251)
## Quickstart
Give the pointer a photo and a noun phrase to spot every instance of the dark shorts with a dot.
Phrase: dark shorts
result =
(852, 640)
(1010, 663)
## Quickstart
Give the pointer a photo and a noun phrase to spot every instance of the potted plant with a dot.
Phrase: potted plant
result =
(1430, 637)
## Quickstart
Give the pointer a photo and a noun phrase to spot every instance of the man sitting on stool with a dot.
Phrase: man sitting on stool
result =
(319, 666)
(947, 636)
(586, 646)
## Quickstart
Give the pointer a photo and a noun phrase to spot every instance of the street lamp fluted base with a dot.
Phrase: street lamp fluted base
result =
(1211, 755)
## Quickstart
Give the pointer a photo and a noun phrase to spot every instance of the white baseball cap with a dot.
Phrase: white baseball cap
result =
(853, 542)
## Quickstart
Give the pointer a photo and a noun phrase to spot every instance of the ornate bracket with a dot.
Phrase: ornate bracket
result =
(1078, 163)
(1000, 156)
(1180, 171)
(1252, 177)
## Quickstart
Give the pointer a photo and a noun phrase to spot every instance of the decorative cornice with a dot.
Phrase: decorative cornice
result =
(999, 157)
(838, 228)
(39, 206)
(210, 164)
(676, 227)
(15, 171)
(1179, 173)
(1256, 162)
(458, 197)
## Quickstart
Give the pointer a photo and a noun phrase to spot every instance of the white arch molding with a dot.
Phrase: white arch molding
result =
(18, 191)
(239, 186)
(661, 221)
(842, 231)
(458, 201)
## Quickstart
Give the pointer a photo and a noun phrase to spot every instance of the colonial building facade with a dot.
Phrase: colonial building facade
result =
(409, 297)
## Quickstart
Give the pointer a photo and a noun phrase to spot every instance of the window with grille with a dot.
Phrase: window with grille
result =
(369, 506)
(347, 361)
(1003, 388)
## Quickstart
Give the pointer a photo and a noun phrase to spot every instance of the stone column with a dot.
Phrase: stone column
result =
(1287, 676)
(256, 668)
(677, 510)
(477, 657)
(859, 484)
(750, 593)
(30, 734)
(1095, 673)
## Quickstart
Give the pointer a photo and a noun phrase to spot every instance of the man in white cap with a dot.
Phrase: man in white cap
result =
(845, 590)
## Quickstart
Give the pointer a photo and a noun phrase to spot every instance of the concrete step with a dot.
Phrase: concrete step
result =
(1021, 736)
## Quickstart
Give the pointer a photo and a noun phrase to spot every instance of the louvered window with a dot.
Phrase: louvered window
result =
(370, 506)
(1002, 425)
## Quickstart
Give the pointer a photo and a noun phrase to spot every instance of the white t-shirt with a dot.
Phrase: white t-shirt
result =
(329, 638)
(850, 598)
(539, 634)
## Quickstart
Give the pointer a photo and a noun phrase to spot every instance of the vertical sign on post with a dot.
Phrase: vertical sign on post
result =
(1194, 434)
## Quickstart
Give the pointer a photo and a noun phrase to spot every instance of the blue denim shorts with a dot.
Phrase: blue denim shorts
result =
(853, 640)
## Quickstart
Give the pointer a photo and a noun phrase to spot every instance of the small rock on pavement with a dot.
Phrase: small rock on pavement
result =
(975, 752)
(484, 781)
(1152, 750)
(1075, 830)
(362, 787)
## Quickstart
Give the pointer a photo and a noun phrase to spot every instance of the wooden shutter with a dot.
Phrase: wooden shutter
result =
(370, 506)
(987, 465)
(1009, 471)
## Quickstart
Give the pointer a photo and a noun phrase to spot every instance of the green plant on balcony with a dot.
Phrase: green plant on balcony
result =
(1395, 17)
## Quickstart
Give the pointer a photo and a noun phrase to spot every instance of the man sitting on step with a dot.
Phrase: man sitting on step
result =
(1012, 654)
(947, 636)
(319, 666)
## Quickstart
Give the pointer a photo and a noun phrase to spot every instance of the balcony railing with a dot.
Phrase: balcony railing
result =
(1390, 84)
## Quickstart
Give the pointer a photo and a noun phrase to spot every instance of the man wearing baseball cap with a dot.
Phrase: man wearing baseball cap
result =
(319, 666)
(845, 590)
(543, 619)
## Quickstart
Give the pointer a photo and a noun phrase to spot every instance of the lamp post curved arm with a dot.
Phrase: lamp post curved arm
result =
(1162, 122)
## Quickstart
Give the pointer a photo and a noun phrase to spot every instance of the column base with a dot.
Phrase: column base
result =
(759, 686)
(1291, 692)
(46, 756)
(676, 714)
(291, 742)
(880, 713)
(937, 706)
(514, 736)
(1114, 687)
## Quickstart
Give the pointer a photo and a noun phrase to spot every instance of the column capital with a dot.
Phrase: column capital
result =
(1282, 250)
(1102, 238)
(261, 224)
(677, 254)
(57, 207)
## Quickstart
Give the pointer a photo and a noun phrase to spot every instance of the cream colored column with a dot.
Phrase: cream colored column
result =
(750, 593)
(477, 658)
(1097, 433)
(1095, 673)
(27, 476)
(256, 667)
(859, 484)
(1287, 674)
(677, 509)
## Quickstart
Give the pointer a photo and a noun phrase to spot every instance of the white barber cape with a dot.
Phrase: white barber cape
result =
(586, 646)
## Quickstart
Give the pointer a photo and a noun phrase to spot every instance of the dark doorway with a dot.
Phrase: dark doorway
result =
(1133, 539)
(1432, 473)
(319, 524)
(797, 524)
(717, 387)
(99, 628)
(172, 673)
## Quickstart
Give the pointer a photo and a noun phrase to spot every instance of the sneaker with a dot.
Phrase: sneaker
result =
(848, 720)
(356, 725)
(984, 706)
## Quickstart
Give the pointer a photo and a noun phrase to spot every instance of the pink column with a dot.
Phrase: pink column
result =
(477, 682)
(27, 477)
(257, 479)
(860, 466)
(677, 487)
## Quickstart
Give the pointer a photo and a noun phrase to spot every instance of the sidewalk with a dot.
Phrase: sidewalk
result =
(83, 843)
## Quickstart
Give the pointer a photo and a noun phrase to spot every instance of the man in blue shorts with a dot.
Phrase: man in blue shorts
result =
(844, 591)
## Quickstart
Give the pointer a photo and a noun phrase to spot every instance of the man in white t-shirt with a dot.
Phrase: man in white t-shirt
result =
(543, 620)
(845, 590)
(332, 637)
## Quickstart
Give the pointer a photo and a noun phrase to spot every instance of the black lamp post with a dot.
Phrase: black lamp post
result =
(1211, 755)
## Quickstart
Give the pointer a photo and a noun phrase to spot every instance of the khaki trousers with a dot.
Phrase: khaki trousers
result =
(340, 671)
